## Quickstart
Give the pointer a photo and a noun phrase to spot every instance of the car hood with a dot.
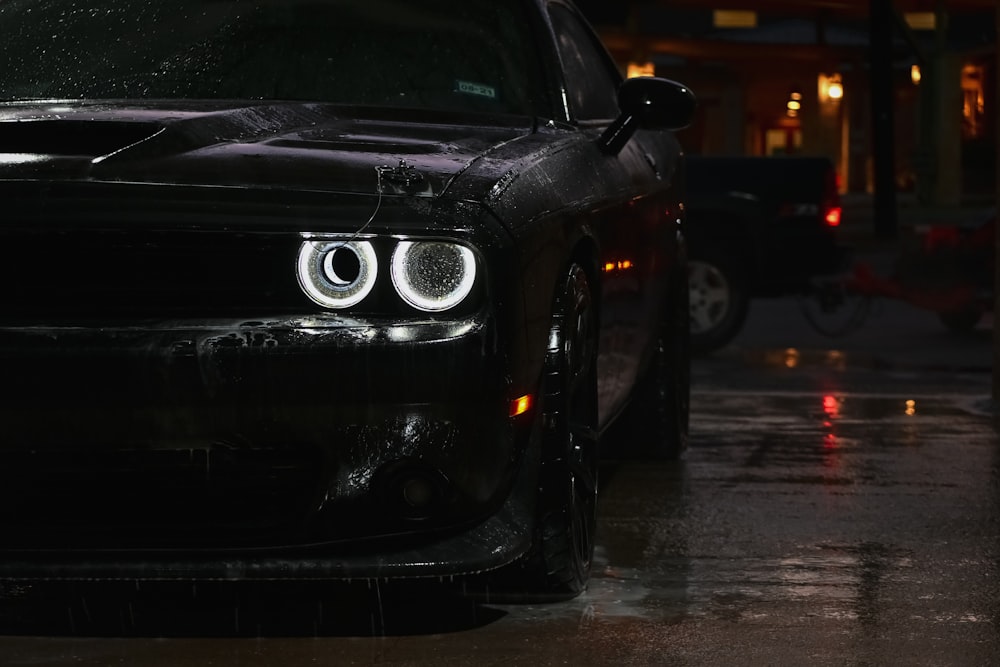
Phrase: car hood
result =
(298, 146)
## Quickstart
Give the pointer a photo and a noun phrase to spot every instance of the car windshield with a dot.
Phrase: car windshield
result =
(472, 55)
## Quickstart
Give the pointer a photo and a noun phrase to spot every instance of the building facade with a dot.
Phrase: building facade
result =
(797, 78)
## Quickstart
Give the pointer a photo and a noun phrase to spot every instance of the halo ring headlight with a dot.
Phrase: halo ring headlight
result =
(337, 274)
(433, 275)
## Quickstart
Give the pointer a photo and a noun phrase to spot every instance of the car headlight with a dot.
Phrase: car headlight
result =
(337, 274)
(433, 275)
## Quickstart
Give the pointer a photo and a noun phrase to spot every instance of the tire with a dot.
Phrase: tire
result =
(719, 300)
(557, 567)
(659, 415)
(961, 321)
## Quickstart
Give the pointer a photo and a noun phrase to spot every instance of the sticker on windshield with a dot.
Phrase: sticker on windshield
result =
(480, 89)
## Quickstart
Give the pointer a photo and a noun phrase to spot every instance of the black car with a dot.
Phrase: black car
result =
(327, 288)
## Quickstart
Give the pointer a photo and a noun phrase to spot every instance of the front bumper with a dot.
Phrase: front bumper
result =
(490, 544)
(293, 447)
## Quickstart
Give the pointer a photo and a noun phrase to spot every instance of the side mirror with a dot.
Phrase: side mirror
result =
(651, 103)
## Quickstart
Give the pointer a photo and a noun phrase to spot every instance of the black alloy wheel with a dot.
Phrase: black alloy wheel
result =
(558, 565)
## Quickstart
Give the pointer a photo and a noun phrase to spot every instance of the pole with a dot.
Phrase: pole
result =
(883, 140)
(996, 243)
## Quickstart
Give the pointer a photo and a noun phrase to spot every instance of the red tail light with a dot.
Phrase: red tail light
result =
(832, 217)
(831, 199)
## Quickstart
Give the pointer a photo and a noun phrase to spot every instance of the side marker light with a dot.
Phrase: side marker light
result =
(520, 405)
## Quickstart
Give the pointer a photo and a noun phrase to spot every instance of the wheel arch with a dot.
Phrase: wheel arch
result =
(586, 253)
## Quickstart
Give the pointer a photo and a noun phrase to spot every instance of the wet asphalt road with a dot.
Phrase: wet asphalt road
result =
(839, 505)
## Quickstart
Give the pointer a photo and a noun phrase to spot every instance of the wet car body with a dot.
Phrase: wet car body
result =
(224, 357)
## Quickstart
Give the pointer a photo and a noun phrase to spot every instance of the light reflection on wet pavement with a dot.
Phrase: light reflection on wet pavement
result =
(843, 528)
(810, 523)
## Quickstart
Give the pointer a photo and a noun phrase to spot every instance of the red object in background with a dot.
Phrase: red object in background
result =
(938, 238)
(940, 300)
(951, 271)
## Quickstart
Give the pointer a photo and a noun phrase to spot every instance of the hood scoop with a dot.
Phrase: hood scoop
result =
(280, 147)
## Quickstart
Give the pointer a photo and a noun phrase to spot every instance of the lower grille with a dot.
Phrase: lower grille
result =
(197, 498)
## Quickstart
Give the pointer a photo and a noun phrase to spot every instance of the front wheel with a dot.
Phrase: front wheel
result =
(557, 566)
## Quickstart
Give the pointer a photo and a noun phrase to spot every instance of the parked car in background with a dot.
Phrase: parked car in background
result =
(757, 227)
(323, 289)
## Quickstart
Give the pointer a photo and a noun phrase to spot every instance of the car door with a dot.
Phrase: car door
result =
(636, 227)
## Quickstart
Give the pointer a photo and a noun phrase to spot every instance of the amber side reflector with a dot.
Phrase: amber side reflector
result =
(520, 405)
(833, 217)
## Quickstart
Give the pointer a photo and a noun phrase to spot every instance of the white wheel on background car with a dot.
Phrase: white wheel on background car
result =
(718, 300)
(709, 296)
